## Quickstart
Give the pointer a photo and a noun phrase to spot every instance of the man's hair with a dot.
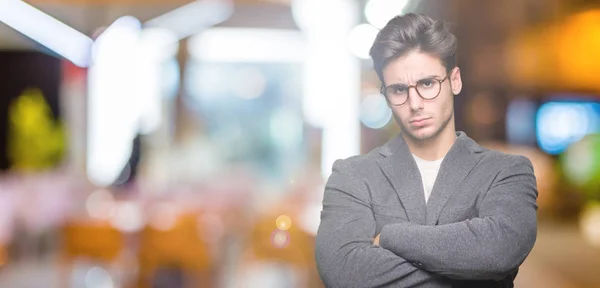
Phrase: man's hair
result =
(413, 32)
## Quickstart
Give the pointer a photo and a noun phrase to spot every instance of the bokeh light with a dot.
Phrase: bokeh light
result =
(563, 123)
(590, 223)
(283, 222)
(127, 217)
(280, 239)
(576, 49)
(581, 163)
(98, 277)
(100, 204)
(374, 112)
(361, 39)
(164, 216)
(380, 12)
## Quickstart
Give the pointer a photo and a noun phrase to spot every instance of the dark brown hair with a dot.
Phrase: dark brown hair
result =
(410, 32)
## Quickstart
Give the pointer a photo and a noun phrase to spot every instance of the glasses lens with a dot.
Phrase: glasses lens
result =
(429, 88)
(396, 94)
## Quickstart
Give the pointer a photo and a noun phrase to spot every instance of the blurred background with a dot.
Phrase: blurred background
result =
(154, 143)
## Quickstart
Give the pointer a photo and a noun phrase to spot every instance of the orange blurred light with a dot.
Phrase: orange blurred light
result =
(565, 55)
(283, 222)
(578, 49)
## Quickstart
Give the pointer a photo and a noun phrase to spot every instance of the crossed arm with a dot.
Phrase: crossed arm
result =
(489, 247)
(344, 253)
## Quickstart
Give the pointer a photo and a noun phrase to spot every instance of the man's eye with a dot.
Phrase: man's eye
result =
(426, 83)
(399, 89)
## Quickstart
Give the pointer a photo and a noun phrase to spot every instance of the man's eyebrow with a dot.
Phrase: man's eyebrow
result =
(429, 77)
(424, 78)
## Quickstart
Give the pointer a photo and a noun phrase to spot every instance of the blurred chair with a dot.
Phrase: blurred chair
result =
(174, 248)
(90, 240)
(3, 255)
(291, 249)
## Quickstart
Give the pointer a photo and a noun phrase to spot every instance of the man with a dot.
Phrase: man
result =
(430, 208)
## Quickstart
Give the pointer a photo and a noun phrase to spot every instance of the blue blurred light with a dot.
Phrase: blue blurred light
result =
(520, 122)
(559, 124)
(374, 112)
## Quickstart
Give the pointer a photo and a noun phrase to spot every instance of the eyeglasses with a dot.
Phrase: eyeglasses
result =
(428, 89)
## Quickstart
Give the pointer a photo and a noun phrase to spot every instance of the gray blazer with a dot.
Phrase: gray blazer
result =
(475, 231)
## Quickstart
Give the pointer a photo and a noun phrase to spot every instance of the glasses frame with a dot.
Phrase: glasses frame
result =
(384, 90)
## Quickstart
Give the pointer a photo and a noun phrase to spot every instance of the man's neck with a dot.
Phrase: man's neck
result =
(434, 148)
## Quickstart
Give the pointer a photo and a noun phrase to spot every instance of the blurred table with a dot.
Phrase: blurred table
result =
(561, 258)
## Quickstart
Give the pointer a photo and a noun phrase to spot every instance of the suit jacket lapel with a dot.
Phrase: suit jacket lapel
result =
(457, 164)
(401, 170)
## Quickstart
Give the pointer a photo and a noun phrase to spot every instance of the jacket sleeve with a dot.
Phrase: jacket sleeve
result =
(491, 246)
(344, 252)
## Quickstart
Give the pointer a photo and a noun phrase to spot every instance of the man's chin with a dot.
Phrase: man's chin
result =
(421, 134)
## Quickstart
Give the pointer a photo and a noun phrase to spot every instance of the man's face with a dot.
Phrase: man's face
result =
(419, 118)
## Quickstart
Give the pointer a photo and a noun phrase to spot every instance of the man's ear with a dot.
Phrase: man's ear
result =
(456, 81)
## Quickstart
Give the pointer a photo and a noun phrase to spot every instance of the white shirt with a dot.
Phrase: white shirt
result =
(429, 171)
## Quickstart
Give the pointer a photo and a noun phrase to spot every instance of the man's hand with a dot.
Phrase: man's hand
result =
(376, 240)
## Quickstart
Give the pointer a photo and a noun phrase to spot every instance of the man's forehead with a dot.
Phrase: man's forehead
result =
(415, 65)
(411, 74)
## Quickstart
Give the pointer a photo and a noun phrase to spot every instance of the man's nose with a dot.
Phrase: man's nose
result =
(414, 100)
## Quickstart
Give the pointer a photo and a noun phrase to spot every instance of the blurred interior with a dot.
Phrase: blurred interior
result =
(186, 143)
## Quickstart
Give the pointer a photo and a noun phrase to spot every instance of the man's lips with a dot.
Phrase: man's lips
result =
(419, 120)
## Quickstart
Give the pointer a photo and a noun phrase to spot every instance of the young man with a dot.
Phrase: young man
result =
(430, 208)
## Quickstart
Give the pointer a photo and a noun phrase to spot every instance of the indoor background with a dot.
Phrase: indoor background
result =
(155, 143)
